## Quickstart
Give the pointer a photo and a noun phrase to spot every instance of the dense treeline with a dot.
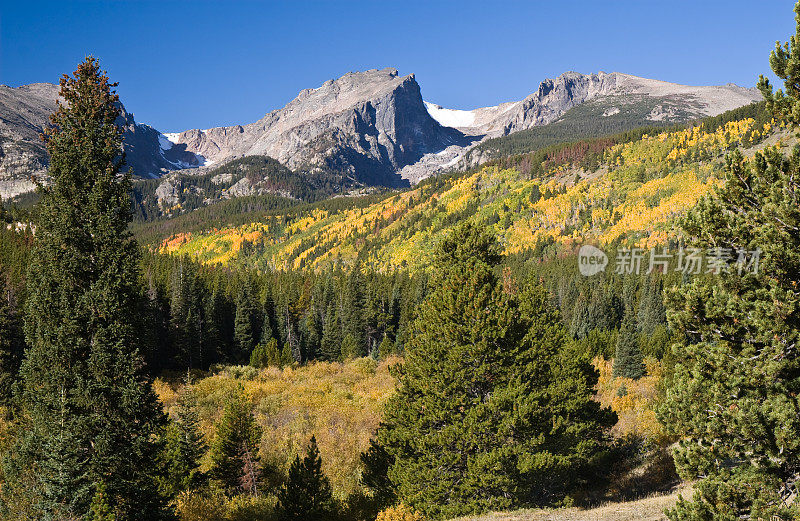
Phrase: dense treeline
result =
(200, 315)
(205, 315)
(337, 313)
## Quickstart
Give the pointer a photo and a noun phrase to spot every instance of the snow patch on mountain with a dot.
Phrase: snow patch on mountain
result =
(450, 117)
(172, 137)
(164, 142)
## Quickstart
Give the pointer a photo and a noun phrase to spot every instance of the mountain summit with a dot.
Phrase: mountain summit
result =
(372, 126)
(369, 124)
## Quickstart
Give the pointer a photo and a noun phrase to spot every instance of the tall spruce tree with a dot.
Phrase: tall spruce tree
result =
(628, 358)
(234, 452)
(213, 320)
(331, 348)
(93, 413)
(735, 393)
(184, 447)
(10, 348)
(306, 495)
(491, 412)
(243, 331)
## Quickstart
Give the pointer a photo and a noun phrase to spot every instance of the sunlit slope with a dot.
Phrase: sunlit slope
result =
(632, 197)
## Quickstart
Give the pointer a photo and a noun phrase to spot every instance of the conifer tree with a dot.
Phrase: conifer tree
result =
(93, 413)
(628, 358)
(491, 413)
(243, 323)
(213, 320)
(386, 347)
(306, 495)
(234, 452)
(376, 462)
(331, 335)
(735, 391)
(652, 312)
(350, 348)
(269, 354)
(184, 447)
(261, 354)
(785, 63)
(10, 349)
(100, 509)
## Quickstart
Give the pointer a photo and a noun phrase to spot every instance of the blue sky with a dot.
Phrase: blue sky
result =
(188, 64)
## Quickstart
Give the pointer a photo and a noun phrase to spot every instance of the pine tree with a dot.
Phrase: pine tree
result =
(93, 413)
(652, 312)
(286, 356)
(10, 349)
(350, 348)
(386, 348)
(234, 452)
(243, 323)
(266, 331)
(184, 447)
(628, 358)
(491, 412)
(785, 63)
(306, 495)
(331, 335)
(213, 320)
(266, 355)
(376, 462)
(100, 509)
(735, 391)
(157, 334)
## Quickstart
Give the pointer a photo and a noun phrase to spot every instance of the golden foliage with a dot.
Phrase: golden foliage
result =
(215, 506)
(400, 512)
(339, 403)
(644, 185)
(635, 405)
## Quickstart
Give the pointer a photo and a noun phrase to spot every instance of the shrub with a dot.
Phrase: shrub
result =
(201, 506)
(400, 512)
(251, 508)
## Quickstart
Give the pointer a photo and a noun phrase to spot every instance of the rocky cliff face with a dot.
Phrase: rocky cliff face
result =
(368, 124)
(25, 111)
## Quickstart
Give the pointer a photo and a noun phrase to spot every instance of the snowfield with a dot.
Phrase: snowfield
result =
(450, 117)
(164, 142)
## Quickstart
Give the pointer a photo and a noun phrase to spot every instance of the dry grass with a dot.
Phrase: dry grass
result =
(647, 509)
(339, 403)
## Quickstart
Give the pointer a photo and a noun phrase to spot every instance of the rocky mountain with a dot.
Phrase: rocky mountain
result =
(25, 112)
(669, 101)
(368, 124)
(612, 98)
(373, 128)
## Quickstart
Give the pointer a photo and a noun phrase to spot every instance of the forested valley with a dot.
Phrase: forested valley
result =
(424, 353)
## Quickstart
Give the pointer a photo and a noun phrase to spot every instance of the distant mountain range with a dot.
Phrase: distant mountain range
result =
(371, 127)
